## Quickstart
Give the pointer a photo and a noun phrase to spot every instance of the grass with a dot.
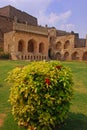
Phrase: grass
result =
(78, 113)
(5, 108)
(77, 119)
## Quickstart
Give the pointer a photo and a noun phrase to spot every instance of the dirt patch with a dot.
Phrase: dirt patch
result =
(2, 117)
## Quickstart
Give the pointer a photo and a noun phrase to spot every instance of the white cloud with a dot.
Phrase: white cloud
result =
(38, 8)
(53, 19)
(30, 6)
(64, 16)
(67, 27)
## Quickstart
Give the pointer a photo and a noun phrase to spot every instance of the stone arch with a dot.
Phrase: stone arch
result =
(67, 44)
(66, 56)
(50, 53)
(31, 46)
(58, 56)
(58, 45)
(84, 56)
(41, 47)
(20, 45)
(75, 56)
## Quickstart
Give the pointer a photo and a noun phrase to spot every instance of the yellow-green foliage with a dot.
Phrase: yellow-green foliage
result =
(41, 94)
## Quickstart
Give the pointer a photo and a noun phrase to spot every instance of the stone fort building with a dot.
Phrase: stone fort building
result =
(24, 39)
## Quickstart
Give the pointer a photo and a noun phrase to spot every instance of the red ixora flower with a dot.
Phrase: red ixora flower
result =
(47, 81)
(59, 67)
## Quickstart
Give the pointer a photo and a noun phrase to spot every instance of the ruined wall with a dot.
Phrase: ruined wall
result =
(29, 28)
(7, 15)
(1, 40)
(12, 39)
(21, 17)
(62, 48)
(79, 42)
(62, 33)
(65, 48)
(1, 46)
(45, 43)
(6, 24)
(82, 43)
(4, 11)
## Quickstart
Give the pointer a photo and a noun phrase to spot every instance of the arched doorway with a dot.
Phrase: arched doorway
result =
(41, 47)
(66, 56)
(67, 44)
(84, 56)
(20, 45)
(75, 56)
(50, 53)
(31, 46)
(58, 56)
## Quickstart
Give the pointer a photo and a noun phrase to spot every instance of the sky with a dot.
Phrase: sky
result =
(67, 15)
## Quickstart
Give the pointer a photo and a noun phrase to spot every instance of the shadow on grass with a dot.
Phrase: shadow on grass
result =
(76, 121)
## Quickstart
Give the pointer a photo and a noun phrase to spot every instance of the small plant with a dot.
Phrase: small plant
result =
(4, 55)
(41, 94)
(1, 49)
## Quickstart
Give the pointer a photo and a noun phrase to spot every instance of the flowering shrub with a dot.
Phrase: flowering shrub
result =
(41, 94)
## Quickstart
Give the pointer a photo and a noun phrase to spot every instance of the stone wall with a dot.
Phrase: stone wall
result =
(6, 24)
(21, 17)
(62, 33)
(29, 28)
(32, 42)
(10, 14)
(65, 48)
(1, 41)
(11, 45)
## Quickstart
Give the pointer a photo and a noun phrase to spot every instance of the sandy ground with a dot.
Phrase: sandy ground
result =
(2, 117)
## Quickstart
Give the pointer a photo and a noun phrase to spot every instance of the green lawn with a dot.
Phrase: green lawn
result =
(77, 119)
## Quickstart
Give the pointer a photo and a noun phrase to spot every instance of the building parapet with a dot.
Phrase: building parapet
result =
(29, 28)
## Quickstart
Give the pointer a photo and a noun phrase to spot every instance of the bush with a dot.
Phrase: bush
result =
(1, 49)
(4, 55)
(41, 94)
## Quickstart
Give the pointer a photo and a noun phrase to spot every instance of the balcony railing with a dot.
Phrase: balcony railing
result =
(29, 28)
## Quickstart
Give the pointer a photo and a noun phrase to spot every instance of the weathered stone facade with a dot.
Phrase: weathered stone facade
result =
(20, 16)
(26, 40)
(67, 46)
